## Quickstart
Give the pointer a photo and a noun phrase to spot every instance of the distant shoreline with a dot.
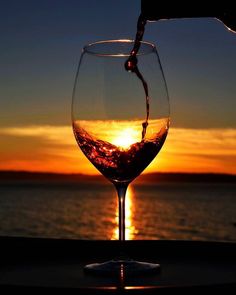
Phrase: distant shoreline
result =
(41, 177)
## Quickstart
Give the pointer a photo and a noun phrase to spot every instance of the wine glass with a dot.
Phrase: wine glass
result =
(120, 122)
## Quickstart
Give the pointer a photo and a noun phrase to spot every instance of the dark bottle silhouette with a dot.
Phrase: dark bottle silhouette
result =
(152, 12)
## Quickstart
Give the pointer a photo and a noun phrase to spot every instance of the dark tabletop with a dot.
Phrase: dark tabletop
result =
(33, 263)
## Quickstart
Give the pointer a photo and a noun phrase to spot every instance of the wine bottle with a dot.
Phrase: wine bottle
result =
(152, 12)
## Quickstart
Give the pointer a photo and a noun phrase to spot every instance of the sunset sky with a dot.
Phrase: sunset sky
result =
(41, 42)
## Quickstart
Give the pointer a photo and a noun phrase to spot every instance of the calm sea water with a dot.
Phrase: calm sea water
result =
(193, 211)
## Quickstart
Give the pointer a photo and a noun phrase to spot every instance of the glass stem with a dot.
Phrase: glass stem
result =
(121, 191)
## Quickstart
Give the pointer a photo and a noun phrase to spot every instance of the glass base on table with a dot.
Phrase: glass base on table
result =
(122, 268)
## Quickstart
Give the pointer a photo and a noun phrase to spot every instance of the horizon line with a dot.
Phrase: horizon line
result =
(101, 175)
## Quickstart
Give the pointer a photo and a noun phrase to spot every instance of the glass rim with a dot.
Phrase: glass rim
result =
(92, 49)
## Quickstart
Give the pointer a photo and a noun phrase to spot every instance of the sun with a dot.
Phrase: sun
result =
(125, 137)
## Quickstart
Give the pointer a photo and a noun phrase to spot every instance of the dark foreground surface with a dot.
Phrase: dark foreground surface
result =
(31, 263)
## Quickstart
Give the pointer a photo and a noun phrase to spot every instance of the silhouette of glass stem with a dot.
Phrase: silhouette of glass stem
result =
(121, 191)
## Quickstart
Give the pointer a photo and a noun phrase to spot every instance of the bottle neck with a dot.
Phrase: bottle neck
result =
(150, 12)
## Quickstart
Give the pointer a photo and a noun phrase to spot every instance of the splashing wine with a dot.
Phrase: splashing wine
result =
(117, 163)
(131, 65)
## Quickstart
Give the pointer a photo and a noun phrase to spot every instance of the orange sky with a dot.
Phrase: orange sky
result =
(54, 149)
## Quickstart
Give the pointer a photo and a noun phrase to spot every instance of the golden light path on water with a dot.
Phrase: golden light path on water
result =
(130, 230)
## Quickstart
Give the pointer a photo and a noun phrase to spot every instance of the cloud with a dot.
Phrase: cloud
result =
(59, 134)
(199, 150)
(53, 148)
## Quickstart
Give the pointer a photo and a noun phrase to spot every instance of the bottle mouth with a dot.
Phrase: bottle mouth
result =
(118, 48)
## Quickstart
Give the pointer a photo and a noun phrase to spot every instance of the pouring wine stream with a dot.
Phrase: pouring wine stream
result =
(131, 65)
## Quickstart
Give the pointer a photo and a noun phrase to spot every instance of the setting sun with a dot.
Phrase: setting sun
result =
(126, 137)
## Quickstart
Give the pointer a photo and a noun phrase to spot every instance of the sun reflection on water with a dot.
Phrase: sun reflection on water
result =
(130, 230)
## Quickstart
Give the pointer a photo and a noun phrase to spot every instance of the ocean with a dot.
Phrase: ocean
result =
(182, 211)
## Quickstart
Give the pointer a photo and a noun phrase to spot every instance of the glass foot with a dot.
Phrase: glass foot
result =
(122, 268)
